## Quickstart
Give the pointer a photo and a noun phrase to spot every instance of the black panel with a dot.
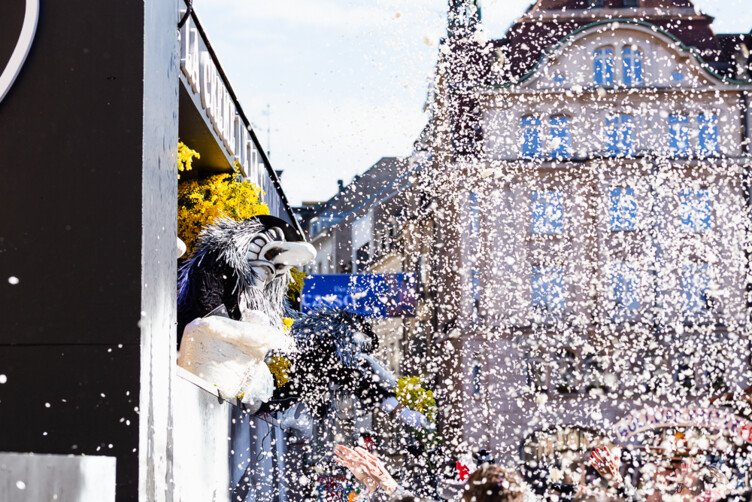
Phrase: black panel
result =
(73, 399)
(11, 20)
(71, 232)
(70, 137)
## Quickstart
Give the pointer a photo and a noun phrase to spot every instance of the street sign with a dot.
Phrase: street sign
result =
(372, 295)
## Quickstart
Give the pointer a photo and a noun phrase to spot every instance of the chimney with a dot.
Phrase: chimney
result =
(341, 185)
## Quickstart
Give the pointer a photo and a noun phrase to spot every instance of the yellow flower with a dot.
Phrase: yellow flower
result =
(279, 366)
(296, 286)
(202, 201)
(287, 321)
(185, 157)
(410, 393)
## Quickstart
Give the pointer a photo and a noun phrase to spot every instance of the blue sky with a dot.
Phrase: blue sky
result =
(345, 80)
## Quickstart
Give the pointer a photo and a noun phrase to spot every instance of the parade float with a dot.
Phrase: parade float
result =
(238, 333)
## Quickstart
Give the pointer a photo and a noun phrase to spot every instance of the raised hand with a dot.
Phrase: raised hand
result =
(356, 464)
(605, 463)
(362, 463)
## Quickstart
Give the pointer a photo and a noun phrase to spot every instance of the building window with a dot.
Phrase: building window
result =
(685, 373)
(708, 134)
(695, 211)
(547, 287)
(678, 135)
(531, 137)
(677, 76)
(715, 374)
(559, 78)
(561, 137)
(624, 290)
(655, 370)
(595, 4)
(363, 255)
(631, 3)
(475, 291)
(315, 227)
(595, 373)
(477, 377)
(622, 210)
(566, 381)
(631, 58)
(603, 66)
(535, 375)
(620, 135)
(547, 211)
(474, 214)
(695, 283)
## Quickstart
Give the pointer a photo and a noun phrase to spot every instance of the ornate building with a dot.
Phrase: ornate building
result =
(591, 214)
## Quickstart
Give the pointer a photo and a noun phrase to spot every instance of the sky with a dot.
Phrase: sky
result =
(331, 86)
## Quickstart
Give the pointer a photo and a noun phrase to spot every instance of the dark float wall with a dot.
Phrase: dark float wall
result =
(75, 172)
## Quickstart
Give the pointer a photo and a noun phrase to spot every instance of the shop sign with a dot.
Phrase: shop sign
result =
(373, 295)
(11, 65)
(561, 440)
(205, 81)
(705, 418)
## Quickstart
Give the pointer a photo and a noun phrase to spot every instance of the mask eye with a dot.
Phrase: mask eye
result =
(272, 253)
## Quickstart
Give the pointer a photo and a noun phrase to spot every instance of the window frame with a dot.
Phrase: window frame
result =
(541, 202)
(707, 130)
(536, 378)
(476, 376)
(567, 358)
(615, 224)
(632, 66)
(696, 280)
(619, 130)
(531, 127)
(560, 128)
(689, 201)
(544, 283)
(625, 304)
(603, 66)
(679, 133)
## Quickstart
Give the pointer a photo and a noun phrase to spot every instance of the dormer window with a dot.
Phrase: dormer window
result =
(603, 66)
(631, 58)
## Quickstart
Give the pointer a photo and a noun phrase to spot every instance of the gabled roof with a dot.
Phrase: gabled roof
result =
(547, 22)
(363, 189)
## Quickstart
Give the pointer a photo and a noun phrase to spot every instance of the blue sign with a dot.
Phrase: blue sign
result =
(372, 295)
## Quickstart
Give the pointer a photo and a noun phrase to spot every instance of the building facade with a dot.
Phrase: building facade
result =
(591, 211)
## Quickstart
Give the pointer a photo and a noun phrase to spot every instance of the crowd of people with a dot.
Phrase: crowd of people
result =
(494, 483)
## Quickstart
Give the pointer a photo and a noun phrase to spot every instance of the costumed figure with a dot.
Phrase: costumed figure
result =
(231, 300)
(334, 357)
